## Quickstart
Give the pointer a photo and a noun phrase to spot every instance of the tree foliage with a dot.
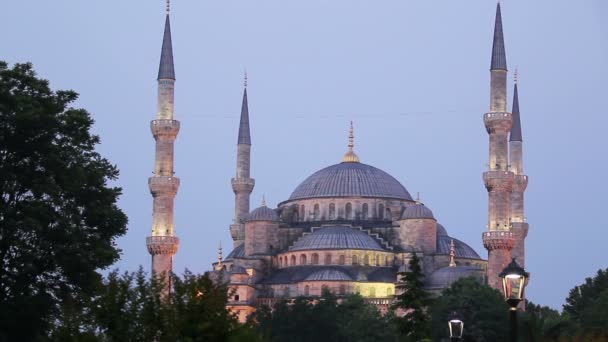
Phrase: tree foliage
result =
(482, 309)
(587, 307)
(414, 301)
(133, 307)
(323, 319)
(58, 216)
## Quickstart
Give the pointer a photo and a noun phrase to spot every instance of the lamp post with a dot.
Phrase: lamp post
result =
(456, 326)
(514, 281)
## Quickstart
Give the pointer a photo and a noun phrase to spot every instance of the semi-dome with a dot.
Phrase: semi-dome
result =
(441, 231)
(446, 276)
(263, 213)
(417, 211)
(329, 274)
(350, 179)
(336, 237)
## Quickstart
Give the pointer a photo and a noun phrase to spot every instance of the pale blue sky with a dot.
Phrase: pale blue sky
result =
(413, 75)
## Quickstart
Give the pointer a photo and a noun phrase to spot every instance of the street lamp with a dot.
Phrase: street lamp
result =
(456, 326)
(514, 281)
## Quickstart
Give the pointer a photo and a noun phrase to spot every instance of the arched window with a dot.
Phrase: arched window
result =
(378, 260)
(293, 260)
(303, 259)
(355, 260)
(307, 290)
(372, 292)
(286, 291)
(332, 211)
(388, 214)
(327, 259)
(280, 261)
(342, 289)
(315, 259)
(366, 259)
(316, 212)
(348, 211)
(303, 212)
(381, 211)
(364, 211)
(236, 298)
(387, 261)
(296, 216)
(341, 260)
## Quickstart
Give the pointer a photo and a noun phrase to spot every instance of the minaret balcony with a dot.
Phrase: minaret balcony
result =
(498, 180)
(242, 184)
(162, 244)
(520, 183)
(163, 185)
(164, 128)
(498, 239)
(498, 121)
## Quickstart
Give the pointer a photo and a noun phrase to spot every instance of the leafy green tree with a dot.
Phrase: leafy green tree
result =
(542, 323)
(587, 307)
(482, 308)
(326, 318)
(58, 216)
(414, 300)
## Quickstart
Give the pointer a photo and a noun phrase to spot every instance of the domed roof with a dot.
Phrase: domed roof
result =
(329, 274)
(446, 276)
(441, 231)
(462, 249)
(350, 179)
(336, 237)
(263, 213)
(417, 211)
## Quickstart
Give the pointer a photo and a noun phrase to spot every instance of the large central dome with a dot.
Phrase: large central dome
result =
(350, 179)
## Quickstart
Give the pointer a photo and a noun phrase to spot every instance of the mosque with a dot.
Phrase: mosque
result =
(349, 227)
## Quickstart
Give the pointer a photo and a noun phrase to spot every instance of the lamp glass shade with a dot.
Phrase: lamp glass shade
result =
(456, 328)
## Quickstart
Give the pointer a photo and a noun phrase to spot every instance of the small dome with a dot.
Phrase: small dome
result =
(417, 211)
(328, 274)
(446, 276)
(263, 213)
(441, 231)
(238, 252)
(336, 237)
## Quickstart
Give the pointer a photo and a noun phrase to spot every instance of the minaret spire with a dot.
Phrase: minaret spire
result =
(242, 184)
(516, 129)
(499, 56)
(452, 254)
(163, 243)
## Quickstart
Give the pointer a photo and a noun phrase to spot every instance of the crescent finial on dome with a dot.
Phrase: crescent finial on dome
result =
(350, 156)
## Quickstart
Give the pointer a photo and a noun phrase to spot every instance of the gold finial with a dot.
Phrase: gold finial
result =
(516, 76)
(220, 256)
(245, 79)
(168, 6)
(351, 156)
(452, 254)
(263, 200)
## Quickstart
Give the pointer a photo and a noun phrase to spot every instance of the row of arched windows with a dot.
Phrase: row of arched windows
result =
(370, 291)
(348, 212)
(367, 260)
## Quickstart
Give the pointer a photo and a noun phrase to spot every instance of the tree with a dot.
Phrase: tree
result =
(58, 215)
(414, 300)
(542, 323)
(587, 306)
(325, 318)
(482, 308)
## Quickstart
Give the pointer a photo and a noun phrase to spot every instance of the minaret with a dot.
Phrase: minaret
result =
(242, 184)
(498, 240)
(163, 243)
(519, 226)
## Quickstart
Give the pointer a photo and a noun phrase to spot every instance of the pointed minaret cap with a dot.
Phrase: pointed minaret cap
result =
(263, 200)
(244, 134)
(166, 70)
(499, 56)
(220, 256)
(516, 129)
(350, 156)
